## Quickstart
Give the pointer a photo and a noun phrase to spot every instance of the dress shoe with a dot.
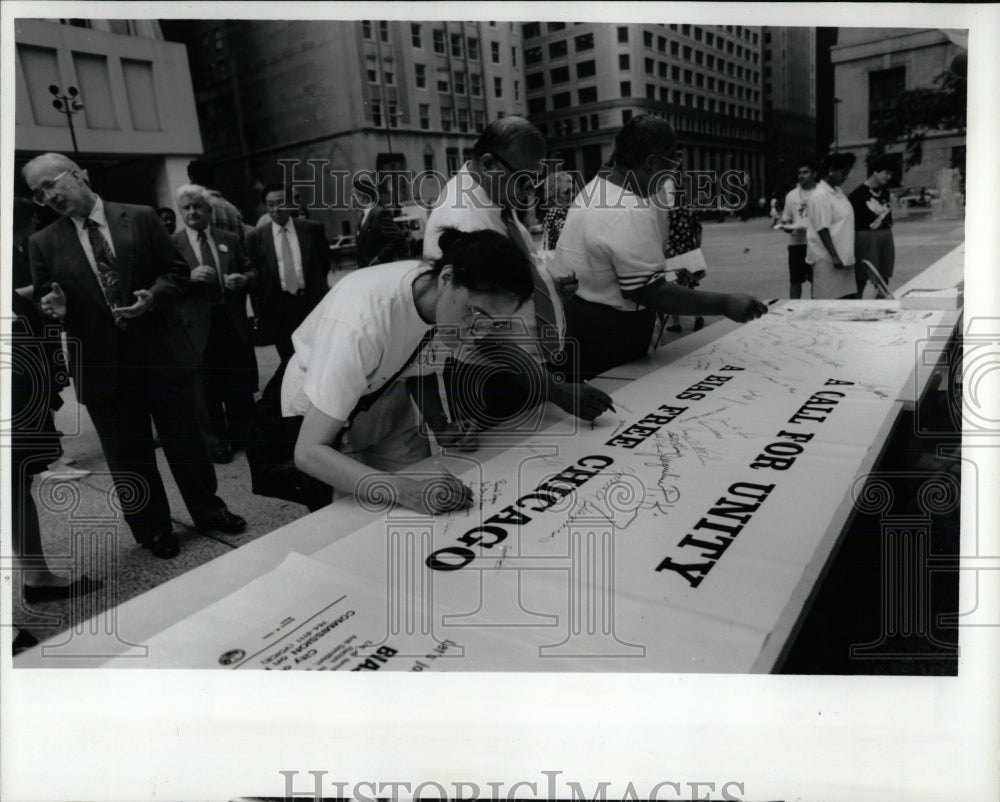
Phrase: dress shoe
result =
(80, 586)
(163, 545)
(222, 454)
(224, 521)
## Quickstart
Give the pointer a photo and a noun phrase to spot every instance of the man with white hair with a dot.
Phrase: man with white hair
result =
(109, 272)
(215, 312)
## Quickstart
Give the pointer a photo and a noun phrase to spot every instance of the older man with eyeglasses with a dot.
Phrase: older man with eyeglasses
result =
(612, 243)
(110, 274)
(522, 362)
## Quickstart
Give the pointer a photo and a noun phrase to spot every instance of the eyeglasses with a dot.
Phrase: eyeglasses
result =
(530, 181)
(40, 195)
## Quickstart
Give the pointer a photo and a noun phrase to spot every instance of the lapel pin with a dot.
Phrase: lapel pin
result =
(223, 247)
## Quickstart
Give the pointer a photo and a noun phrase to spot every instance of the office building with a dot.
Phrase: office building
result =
(585, 80)
(137, 127)
(342, 96)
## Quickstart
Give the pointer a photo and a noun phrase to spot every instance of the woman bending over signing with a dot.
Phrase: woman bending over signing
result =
(364, 337)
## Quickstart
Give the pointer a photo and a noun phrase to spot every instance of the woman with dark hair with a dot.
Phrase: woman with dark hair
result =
(830, 236)
(366, 335)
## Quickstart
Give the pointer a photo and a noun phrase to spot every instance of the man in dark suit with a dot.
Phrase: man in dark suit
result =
(215, 313)
(111, 274)
(292, 258)
(379, 238)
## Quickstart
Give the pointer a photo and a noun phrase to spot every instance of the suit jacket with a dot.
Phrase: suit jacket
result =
(380, 239)
(315, 269)
(156, 342)
(197, 306)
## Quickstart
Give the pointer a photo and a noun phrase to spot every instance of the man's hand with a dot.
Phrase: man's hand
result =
(53, 303)
(581, 399)
(459, 434)
(742, 308)
(235, 281)
(143, 303)
(203, 274)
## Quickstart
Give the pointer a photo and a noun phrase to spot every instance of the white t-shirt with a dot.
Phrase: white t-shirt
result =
(612, 241)
(355, 340)
(795, 213)
(829, 208)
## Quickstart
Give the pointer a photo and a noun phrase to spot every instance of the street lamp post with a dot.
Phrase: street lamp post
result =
(69, 104)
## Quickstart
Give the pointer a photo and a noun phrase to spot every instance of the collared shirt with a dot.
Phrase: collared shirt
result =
(98, 216)
(829, 208)
(795, 213)
(192, 236)
(293, 239)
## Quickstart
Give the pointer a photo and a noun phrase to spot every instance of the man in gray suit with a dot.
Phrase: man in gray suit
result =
(215, 313)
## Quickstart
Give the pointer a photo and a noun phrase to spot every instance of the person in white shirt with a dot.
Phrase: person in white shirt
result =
(830, 235)
(498, 383)
(612, 243)
(359, 426)
(795, 220)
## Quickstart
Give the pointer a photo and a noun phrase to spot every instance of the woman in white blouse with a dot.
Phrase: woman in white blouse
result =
(830, 234)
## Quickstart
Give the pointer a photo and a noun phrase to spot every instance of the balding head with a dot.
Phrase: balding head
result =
(509, 155)
(58, 182)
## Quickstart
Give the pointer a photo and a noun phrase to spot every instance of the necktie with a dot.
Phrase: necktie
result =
(107, 269)
(545, 312)
(288, 262)
(208, 259)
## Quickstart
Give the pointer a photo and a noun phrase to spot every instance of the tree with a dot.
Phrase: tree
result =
(941, 107)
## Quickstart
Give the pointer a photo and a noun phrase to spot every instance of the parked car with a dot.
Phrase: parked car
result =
(343, 243)
(917, 197)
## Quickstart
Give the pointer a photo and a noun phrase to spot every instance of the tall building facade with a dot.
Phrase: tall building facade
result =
(137, 127)
(341, 96)
(872, 66)
(585, 80)
(789, 103)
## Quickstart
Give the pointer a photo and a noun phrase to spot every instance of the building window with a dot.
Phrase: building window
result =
(662, 69)
(709, 39)
(562, 100)
(626, 115)
(583, 124)
(531, 29)
(425, 116)
(648, 66)
(699, 57)
(594, 122)
(420, 76)
(661, 44)
(415, 38)
(623, 61)
(622, 33)
(366, 28)
(675, 73)
(372, 73)
(456, 45)
(688, 77)
(647, 38)
(686, 30)
(560, 75)
(535, 80)
(460, 83)
(442, 84)
(495, 52)
(517, 90)
(477, 120)
(463, 120)
(883, 88)
(558, 49)
(476, 84)
(556, 26)
(584, 42)
(439, 42)
(650, 91)
(699, 80)
(585, 69)
(446, 121)
(536, 105)
(451, 157)
(513, 55)
(377, 113)
(473, 46)
(383, 30)
(429, 161)
(625, 88)
(664, 94)
(675, 49)
(389, 78)
(588, 95)
(697, 34)
(687, 53)
(532, 55)
(498, 87)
